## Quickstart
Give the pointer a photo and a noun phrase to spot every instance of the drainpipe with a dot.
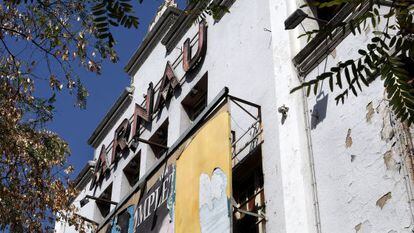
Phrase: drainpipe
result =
(291, 5)
(311, 163)
(406, 149)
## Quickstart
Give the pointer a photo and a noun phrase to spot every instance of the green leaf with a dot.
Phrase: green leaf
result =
(98, 12)
(331, 86)
(398, 44)
(315, 88)
(100, 19)
(339, 79)
(353, 90)
(354, 70)
(362, 52)
(347, 76)
(358, 84)
(295, 89)
(324, 76)
(364, 81)
(99, 6)
(335, 69)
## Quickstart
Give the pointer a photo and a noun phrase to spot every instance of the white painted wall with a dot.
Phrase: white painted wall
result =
(250, 52)
(292, 157)
(350, 180)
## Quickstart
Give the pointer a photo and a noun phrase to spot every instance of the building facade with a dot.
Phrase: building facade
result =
(208, 137)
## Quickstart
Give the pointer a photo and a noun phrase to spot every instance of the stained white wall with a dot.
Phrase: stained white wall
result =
(250, 52)
(239, 56)
(350, 149)
(291, 160)
(352, 179)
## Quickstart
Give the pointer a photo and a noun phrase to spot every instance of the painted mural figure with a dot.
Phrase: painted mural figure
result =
(214, 207)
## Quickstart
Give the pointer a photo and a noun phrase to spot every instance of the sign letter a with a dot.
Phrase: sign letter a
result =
(168, 83)
(141, 113)
(120, 139)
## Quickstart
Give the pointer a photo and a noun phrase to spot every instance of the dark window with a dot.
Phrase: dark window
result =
(103, 206)
(409, 67)
(248, 193)
(323, 13)
(159, 140)
(131, 170)
(196, 101)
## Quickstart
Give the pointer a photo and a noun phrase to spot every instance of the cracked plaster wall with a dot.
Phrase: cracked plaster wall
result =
(358, 158)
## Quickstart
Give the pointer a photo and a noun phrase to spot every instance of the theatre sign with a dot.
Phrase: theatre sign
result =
(126, 136)
(189, 192)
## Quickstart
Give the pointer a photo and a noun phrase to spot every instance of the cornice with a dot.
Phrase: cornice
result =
(111, 117)
(152, 39)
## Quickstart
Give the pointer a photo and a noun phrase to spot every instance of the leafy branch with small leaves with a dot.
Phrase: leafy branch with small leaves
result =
(44, 41)
(388, 56)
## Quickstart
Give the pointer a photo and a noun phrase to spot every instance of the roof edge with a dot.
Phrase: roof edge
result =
(181, 25)
(111, 115)
(84, 172)
(166, 20)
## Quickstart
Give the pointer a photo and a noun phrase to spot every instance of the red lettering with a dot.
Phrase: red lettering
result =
(120, 142)
(141, 113)
(100, 167)
(168, 83)
(188, 62)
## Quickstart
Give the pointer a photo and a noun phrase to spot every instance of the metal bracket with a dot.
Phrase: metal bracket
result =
(101, 200)
(257, 215)
(151, 143)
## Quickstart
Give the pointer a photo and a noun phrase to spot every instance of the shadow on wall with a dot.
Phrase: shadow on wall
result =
(318, 113)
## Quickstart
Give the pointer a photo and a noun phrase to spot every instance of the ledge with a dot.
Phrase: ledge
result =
(185, 21)
(111, 116)
(181, 26)
(152, 39)
(84, 175)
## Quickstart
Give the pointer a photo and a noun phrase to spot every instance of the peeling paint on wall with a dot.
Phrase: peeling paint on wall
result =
(171, 198)
(383, 200)
(358, 227)
(364, 227)
(348, 140)
(209, 149)
(389, 160)
(370, 112)
(124, 223)
(214, 205)
(387, 131)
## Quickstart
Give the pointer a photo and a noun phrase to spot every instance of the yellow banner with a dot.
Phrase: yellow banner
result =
(203, 180)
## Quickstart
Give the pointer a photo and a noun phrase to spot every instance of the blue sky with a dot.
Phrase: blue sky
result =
(76, 125)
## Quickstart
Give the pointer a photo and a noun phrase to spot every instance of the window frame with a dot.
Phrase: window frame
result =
(325, 42)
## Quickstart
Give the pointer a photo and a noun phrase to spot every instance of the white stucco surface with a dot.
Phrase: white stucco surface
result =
(315, 179)
(349, 148)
